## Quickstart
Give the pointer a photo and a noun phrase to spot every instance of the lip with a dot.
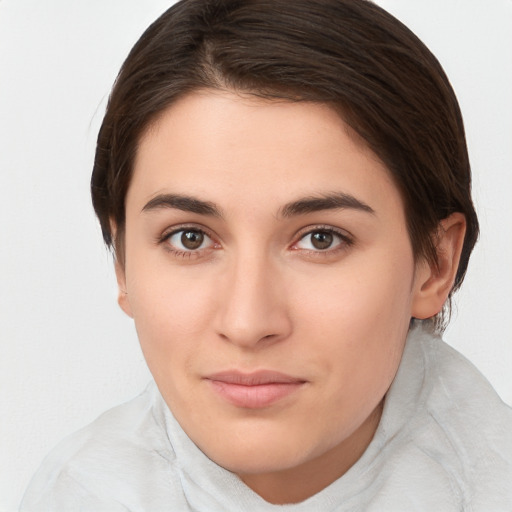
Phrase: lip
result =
(255, 390)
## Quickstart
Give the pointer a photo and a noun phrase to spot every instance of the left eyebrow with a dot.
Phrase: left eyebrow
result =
(335, 201)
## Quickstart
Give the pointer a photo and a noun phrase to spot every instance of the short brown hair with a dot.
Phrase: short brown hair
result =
(349, 54)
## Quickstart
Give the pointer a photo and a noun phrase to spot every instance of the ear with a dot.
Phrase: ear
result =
(122, 295)
(434, 283)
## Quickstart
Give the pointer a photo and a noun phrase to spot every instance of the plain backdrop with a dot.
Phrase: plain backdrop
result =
(67, 352)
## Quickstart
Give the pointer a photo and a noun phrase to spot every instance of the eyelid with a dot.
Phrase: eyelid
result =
(343, 233)
(171, 230)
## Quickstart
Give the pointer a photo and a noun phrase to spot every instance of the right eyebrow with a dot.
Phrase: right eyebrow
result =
(181, 202)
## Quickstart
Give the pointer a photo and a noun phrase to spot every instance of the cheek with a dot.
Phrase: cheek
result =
(171, 310)
(366, 292)
(359, 319)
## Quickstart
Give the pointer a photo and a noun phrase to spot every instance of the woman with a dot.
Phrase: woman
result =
(286, 187)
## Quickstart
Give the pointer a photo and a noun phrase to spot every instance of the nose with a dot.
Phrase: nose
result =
(252, 306)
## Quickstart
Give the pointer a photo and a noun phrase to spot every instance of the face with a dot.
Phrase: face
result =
(271, 279)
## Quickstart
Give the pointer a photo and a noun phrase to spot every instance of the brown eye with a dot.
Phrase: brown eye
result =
(189, 240)
(321, 240)
(192, 240)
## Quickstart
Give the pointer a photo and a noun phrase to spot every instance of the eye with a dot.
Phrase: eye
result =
(321, 240)
(189, 240)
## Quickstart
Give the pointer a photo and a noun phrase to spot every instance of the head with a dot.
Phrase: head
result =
(353, 56)
(190, 127)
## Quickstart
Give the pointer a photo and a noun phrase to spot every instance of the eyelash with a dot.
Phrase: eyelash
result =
(191, 253)
(345, 241)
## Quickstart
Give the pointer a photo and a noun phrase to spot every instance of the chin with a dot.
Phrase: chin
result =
(263, 451)
(260, 461)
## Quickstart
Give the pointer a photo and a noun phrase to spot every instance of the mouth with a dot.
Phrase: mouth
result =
(255, 390)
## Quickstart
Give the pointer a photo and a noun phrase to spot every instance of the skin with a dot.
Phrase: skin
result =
(258, 294)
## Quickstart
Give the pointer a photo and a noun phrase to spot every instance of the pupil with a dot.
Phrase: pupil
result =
(322, 240)
(192, 239)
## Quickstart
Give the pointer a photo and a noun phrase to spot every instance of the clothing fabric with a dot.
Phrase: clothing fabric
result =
(444, 443)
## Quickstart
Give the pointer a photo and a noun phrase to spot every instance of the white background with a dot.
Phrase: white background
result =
(67, 352)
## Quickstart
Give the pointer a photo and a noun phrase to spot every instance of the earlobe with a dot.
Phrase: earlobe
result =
(434, 283)
(122, 297)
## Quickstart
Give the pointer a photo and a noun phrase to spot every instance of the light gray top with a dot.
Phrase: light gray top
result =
(444, 443)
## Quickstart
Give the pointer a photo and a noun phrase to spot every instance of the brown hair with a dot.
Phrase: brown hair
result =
(349, 54)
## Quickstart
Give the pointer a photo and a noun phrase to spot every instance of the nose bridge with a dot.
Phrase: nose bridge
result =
(253, 306)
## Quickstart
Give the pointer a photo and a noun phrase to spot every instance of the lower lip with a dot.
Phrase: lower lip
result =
(255, 397)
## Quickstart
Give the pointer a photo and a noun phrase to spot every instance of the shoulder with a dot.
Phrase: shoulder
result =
(469, 428)
(121, 461)
(445, 435)
(460, 396)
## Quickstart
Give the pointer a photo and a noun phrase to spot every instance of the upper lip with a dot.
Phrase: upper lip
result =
(257, 378)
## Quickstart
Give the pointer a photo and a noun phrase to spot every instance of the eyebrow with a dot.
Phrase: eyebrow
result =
(181, 202)
(334, 201)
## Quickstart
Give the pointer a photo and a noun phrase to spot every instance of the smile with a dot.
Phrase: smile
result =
(254, 390)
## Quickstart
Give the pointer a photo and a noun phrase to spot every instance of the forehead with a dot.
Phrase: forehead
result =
(223, 145)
